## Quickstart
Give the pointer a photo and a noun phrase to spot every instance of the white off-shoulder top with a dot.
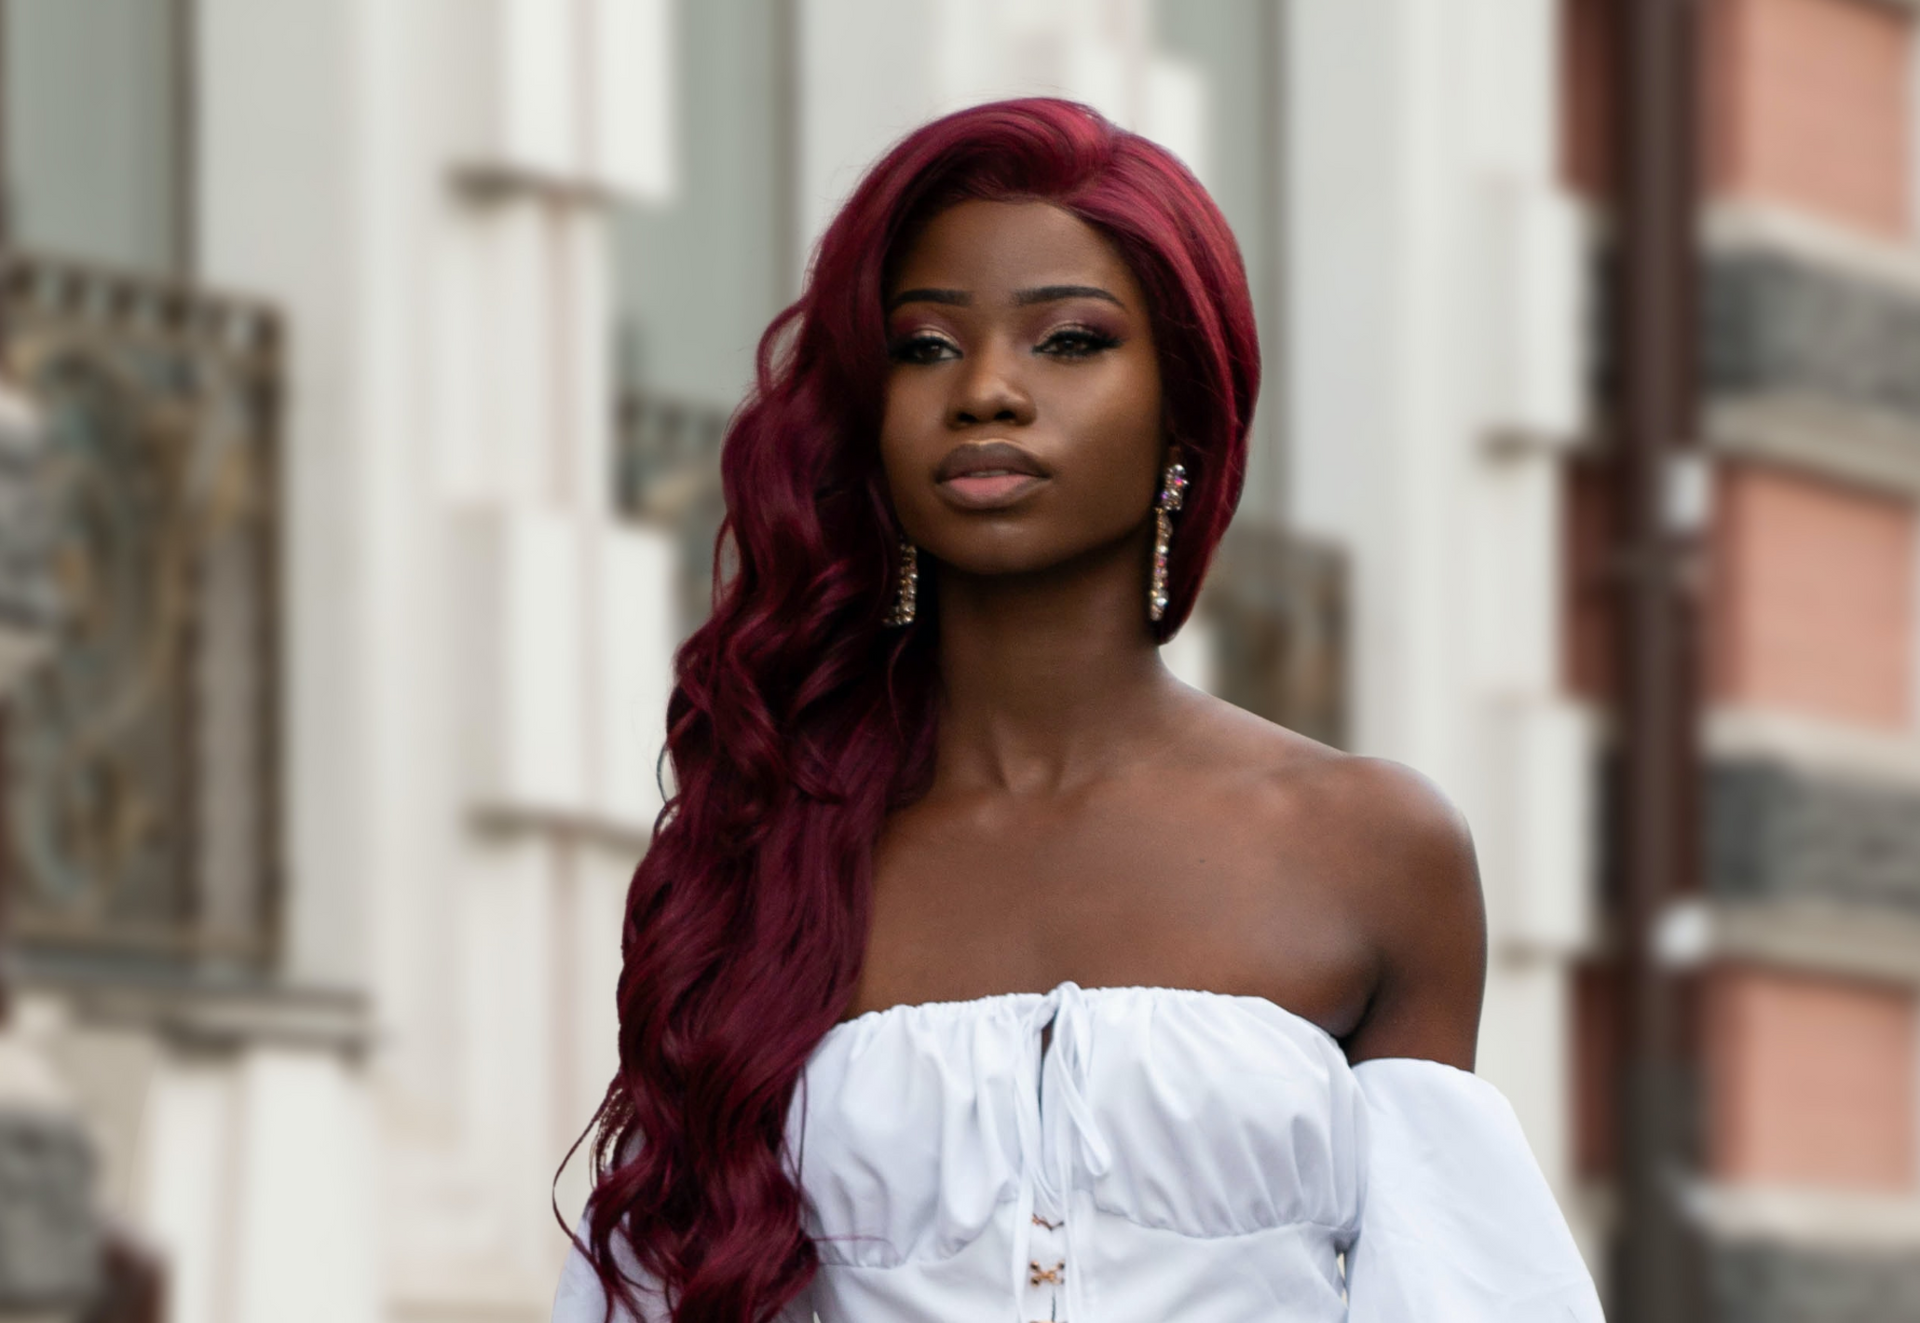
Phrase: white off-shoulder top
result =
(1163, 1155)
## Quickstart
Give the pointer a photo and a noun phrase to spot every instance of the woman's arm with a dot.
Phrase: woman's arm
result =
(1418, 896)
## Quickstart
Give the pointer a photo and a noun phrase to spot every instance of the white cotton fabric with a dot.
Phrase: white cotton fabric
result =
(1166, 1155)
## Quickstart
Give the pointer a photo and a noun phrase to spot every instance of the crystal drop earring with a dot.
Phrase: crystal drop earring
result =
(907, 591)
(1173, 489)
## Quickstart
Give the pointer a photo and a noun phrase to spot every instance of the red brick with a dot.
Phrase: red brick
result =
(1588, 636)
(1805, 103)
(1596, 1069)
(1812, 598)
(1810, 1081)
(1586, 71)
(1809, 104)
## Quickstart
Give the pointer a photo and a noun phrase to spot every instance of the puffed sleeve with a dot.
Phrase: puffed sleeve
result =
(579, 1298)
(1457, 1224)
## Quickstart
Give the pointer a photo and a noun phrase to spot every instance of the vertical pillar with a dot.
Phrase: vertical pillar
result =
(1656, 469)
(1433, 371)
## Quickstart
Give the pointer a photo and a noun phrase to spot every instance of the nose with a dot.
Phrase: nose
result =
(988, 390)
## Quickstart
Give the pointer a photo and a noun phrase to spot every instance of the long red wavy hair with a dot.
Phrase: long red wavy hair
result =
(798, 721)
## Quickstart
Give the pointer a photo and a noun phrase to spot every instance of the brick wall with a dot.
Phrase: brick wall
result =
(1808, 1071)
(1810, 1081)
(1807, 105)
(1586, 130)
(1813, 598)
(1588, 643)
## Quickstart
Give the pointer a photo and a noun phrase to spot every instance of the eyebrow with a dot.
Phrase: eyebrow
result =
(960, 298)
(956, 298)
(1055, 293)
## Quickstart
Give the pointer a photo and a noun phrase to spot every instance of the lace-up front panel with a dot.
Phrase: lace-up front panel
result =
(1064, 1136)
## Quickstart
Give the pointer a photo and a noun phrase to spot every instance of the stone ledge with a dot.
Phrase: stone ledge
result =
(500, 819)
(1810, 350)
(1800, 1255)
(1808, 1217)
(1781, 322)
(1776, 833)
(1815, 937)
(1802, 430)
(1752, 1282)
(206, 1015)
(1747, 226)
(1821, 748)
(1805, 1255)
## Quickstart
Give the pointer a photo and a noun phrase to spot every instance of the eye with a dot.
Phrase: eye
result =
(1077, 342)
(922, 347)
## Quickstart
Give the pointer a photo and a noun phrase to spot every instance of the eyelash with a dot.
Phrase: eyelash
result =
(1088, 342)
(908, 349)
(1069, 342)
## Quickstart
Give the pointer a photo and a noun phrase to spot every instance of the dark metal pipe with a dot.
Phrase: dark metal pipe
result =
(1656, 112)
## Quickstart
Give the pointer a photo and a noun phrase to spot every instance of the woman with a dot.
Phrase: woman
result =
(979, 968)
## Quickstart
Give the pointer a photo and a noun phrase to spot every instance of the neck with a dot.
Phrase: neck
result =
(1050, 678)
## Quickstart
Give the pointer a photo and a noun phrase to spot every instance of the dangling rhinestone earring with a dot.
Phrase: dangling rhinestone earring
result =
(1173, 491)
(907, 593)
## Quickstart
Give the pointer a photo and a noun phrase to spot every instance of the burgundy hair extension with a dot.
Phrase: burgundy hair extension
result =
(798, 722)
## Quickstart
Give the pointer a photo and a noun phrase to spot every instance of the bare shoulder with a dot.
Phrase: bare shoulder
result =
(1406, 836)
(1396, 858)
(1391, 824)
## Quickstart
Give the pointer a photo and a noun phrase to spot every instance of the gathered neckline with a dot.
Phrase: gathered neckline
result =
(901, 1010)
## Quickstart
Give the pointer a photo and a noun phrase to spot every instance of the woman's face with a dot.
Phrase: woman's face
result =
(1023, 413)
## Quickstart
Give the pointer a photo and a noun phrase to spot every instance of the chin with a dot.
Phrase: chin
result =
(1016, 555)
(996, 562)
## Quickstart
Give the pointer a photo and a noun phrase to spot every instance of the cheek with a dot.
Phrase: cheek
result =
(1142, 398)
(903, 452)
(1118, 394)
(1120, 425)
(911, 405)
(893, 443)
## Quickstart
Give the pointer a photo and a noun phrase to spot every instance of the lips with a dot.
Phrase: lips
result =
(988, 475)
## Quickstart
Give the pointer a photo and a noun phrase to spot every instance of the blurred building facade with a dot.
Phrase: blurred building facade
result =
(1797, 946)
(320, 818)
(389, 345)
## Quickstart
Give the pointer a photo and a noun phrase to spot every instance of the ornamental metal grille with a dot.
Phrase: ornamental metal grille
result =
(140, 770)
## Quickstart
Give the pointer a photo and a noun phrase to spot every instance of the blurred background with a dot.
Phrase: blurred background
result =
(367, 363)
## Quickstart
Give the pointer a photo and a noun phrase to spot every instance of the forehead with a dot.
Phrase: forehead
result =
(984, 247)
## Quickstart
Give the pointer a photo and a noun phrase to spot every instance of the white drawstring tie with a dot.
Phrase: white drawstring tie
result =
(1066, 1129)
